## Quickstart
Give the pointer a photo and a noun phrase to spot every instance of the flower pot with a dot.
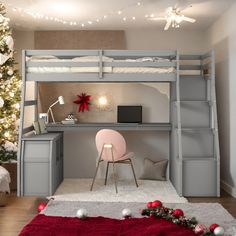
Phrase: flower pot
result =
(11, 167)
(3, 199)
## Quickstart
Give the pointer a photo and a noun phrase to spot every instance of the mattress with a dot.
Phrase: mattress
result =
(106, 69)
(97, 69)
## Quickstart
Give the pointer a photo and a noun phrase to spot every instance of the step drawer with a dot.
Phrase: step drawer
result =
(197, 143)
(193, 88)
(199, 178)
(194, 114)
(37, 150)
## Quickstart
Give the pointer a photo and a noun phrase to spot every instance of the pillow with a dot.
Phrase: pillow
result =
(92, 59)
(40, 57)
(154, 170)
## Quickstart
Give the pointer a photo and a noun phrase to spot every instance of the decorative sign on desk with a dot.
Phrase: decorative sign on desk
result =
(69, 120)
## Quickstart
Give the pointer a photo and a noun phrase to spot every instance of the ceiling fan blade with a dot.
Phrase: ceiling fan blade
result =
(167, 26)
(188, 19)
(156, 18)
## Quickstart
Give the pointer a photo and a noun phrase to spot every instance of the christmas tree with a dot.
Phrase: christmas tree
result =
(9, 92)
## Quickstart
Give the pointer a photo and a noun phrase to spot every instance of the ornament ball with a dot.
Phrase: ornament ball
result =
(200, 229)
(219, 231)
(149, 205)
(82, 213)
(178, 213)
(41, 206)
(156, 204)
(126, 213)
(213, 226)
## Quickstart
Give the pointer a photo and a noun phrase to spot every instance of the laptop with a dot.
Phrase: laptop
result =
(129, 114)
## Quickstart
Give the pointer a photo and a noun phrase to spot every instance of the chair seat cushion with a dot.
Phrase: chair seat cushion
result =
(126, 156)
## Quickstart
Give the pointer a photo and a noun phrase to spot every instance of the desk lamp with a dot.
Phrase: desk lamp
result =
(60, 100)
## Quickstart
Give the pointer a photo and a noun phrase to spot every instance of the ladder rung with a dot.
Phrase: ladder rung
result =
(191, 77)
(195, 129)
(194, 101)
(190, 67)
(30, 103)
(200, 158)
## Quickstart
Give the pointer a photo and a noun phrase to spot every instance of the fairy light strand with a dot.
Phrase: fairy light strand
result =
(96, 20)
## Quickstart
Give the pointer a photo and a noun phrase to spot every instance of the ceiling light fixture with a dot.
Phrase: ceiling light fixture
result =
(173, 18)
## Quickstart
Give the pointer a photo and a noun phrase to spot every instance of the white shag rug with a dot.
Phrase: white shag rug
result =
(148, 190)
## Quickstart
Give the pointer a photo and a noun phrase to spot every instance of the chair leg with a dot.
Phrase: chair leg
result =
(133, 172)
(107, 172)
(114, 174)
(91, 188)
(99, 160)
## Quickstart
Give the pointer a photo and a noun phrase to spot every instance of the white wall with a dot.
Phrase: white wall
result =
(185, 41)
(22, 40)
(222, 37)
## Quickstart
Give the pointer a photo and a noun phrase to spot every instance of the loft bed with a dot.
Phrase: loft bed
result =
(104, 66)
(187, 75)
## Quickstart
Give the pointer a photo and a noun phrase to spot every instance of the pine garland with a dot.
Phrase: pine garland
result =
(157, 210)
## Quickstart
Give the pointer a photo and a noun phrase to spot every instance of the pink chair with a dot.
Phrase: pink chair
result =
(111, 148)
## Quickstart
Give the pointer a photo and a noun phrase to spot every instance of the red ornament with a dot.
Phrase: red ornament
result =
(84, 101)
(178, 212)
(149, 205)
(200, 229)
(152, 215)
(41, 206)
(213, 226)
(156, 204)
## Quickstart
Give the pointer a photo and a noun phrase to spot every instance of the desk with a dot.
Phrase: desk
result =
(57, 127)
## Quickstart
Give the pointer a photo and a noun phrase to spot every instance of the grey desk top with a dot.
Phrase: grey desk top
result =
(118, 126)
(42, 137)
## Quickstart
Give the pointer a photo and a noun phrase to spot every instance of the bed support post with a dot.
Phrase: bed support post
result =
(21, 126)
(214, 121)
(179, 128)
(100, 64)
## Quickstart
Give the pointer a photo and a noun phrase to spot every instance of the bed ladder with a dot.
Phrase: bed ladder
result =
(195, 156)
(25, 128)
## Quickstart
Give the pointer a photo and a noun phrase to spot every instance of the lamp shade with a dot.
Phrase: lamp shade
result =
(61, 100)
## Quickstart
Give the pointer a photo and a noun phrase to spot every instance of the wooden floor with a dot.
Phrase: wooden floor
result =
(19, 211)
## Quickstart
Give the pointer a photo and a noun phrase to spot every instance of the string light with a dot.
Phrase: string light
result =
(38, 15)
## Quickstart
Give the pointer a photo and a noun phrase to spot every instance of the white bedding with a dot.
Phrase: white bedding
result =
(96, 70)
(107, 69)
(4, 180)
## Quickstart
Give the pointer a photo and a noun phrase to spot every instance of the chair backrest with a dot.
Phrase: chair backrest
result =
(109, 136)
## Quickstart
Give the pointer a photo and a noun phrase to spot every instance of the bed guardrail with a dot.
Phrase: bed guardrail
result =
(103, 65)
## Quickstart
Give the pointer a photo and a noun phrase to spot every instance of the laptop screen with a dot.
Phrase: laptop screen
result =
(129, 114)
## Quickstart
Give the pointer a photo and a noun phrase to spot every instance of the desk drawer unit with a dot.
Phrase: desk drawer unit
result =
(42, 164)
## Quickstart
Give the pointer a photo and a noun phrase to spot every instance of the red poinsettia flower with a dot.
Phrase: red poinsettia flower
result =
(83, 100)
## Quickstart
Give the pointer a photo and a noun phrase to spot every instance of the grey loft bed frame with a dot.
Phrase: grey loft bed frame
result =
(192, 175)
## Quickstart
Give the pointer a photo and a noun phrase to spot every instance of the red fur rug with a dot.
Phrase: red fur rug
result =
(43, 225)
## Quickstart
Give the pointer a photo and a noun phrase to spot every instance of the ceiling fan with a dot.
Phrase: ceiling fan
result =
(173, 18)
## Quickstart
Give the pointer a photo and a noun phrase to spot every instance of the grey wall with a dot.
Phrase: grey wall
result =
(222, 37)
